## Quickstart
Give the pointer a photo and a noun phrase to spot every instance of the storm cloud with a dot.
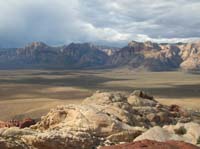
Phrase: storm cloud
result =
(99, 21)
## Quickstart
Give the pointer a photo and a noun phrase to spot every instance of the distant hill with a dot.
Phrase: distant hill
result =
(147, 56)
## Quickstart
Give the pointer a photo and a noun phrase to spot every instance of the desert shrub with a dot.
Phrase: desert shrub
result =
(198, 140)
(180, 131)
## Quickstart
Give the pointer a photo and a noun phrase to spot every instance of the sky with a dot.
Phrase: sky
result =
(109, 22)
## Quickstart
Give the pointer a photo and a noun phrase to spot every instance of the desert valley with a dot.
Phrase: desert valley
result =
(38, 78)
(103, 74)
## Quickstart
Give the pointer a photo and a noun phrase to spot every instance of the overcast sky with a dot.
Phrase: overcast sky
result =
(101, 21)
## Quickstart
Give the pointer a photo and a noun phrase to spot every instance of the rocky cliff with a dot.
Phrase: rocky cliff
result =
(136, 55)
(40, 55)
(158, 57)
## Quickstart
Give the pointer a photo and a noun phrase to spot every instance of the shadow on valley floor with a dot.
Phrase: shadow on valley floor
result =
(82, 81)
(34, 87)
(90, 82)
(176, 91)
(65, 73)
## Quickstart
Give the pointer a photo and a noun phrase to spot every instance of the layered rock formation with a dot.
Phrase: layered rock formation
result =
(158, 57)
(40, 55)
(190, 54)
(136, 55)
(102, 119)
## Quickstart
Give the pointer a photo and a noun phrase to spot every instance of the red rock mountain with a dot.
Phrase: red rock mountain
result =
(40, 55)
(136, 55)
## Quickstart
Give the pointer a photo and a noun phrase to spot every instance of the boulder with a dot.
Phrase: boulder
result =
(124, 136)
(140, 98)
(190, 134)
(156, 133)
(150, 144)
(114, 105)
(27, 123)
(192, 131)
(142, 94)
(152, 117)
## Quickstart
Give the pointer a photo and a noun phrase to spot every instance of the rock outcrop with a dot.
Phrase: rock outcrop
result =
(27, 122)
(102, 119)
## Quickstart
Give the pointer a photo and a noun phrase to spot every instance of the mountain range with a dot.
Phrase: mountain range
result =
(136, 55)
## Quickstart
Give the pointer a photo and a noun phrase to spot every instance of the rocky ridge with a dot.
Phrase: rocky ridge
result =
(40, 55)
(104, 119)
(158, 57)
(136, 55)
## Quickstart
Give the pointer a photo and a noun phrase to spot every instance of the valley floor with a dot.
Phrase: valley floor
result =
(31, 93)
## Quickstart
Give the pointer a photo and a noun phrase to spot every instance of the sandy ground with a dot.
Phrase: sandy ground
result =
(189, 104)
(34, 108)
(31, 93)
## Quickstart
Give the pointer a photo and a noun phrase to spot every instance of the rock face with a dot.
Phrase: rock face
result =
(102, 119)
(40, 55)
(190, 53)
(136, 55)
(108, 50)
(100, 116)
(149, 56)
(149, 144)
(158, 57)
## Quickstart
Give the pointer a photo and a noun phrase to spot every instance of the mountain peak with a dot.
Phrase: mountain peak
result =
(149, 43)
(137, 55)
(35, 45)
(132, 43)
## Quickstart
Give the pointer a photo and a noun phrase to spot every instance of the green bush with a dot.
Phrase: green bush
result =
(180, 131)
(198, 140)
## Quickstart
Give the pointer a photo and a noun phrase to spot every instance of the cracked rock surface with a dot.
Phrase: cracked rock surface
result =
(105, 118)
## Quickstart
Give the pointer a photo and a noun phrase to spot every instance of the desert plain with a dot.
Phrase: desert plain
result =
(32, 93)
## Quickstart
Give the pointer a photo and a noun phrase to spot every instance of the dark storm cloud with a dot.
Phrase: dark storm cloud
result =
(114, 21)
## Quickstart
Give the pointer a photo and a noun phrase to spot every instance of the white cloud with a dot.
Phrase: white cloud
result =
(107, 34)
(59, 22)
(142, 37)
